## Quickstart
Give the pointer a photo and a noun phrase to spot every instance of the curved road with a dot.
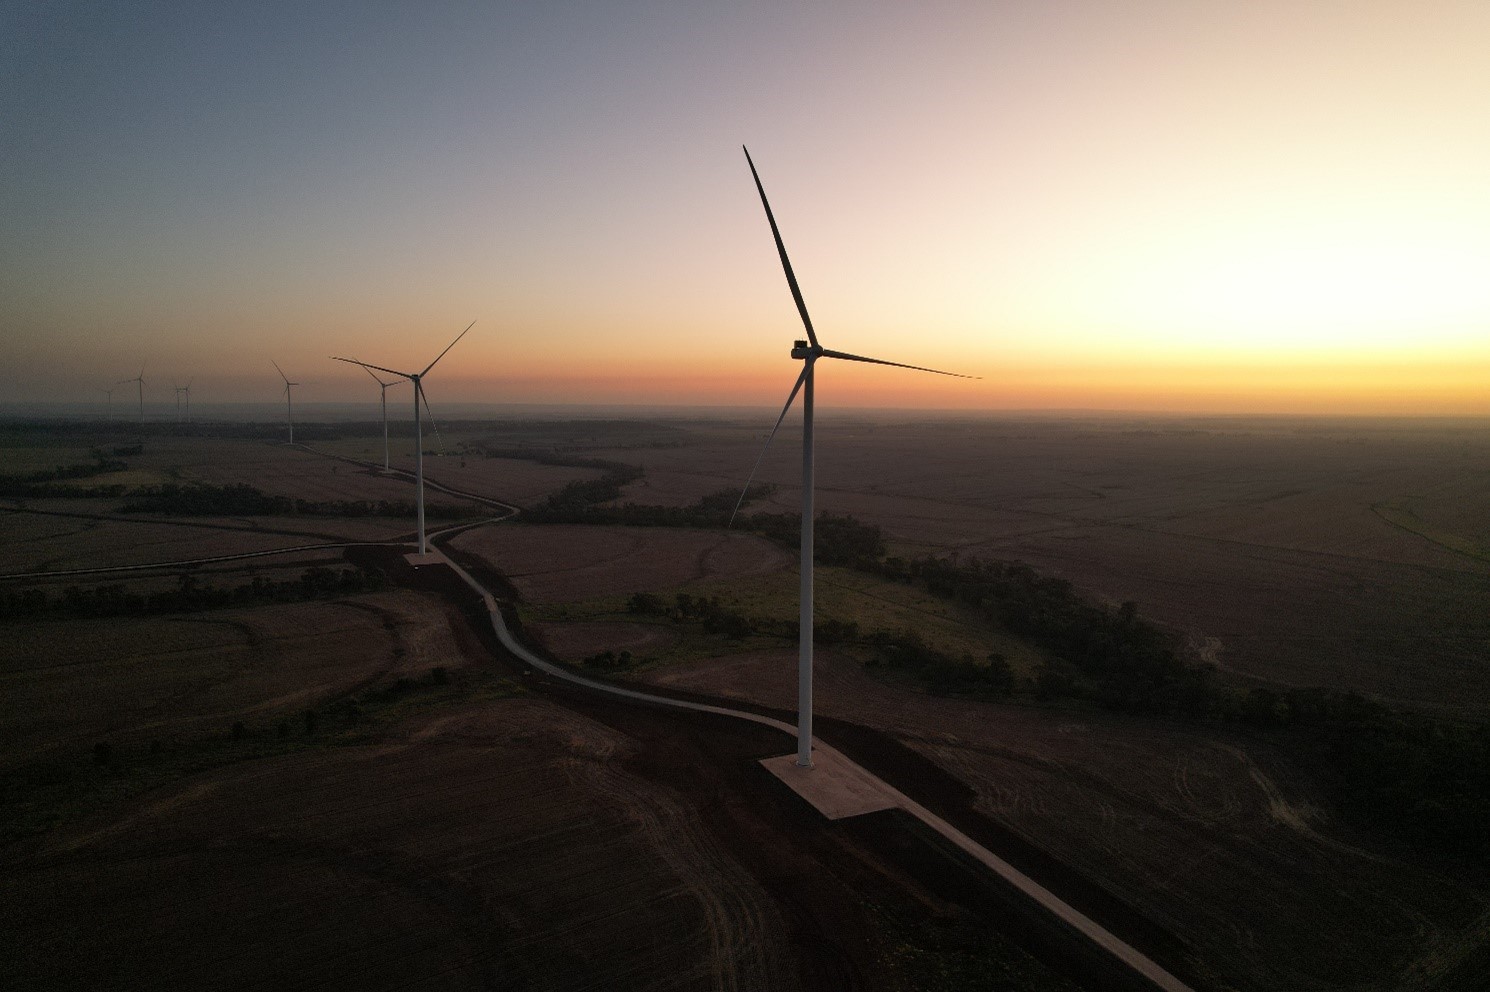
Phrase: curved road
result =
(1094, 932)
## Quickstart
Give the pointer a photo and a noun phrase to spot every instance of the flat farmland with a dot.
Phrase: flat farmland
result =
(568, 563)
(66, 534)
(510, 480)
(281, 470)
(65, 684)
(1216, 839)
(511, 842)
(1339, 553)
(500, 846)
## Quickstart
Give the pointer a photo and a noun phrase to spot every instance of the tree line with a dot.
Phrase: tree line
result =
(243, 500)
(189, 596)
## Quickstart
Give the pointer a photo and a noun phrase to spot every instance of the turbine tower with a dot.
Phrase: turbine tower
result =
(417, 378)
(141, 380)
(182, 391)
(383, 392)
(808, 352)
(289, 412)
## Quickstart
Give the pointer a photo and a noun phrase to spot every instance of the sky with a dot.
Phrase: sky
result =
(1268, 207)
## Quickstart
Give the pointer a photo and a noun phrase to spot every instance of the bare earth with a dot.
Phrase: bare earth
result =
(563, 564)
(1216, 839)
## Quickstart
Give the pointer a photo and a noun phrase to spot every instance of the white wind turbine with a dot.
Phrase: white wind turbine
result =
(808, 352)
(141, 380)
(417, 378)
(183, 391)
(383, 392)
(289, 412)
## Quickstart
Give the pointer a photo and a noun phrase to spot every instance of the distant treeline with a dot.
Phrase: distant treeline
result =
(1110, 657)
(42, 484)
(897, 649)
(1423, 779)
(241, 500)
(189, 596)
(837, 540)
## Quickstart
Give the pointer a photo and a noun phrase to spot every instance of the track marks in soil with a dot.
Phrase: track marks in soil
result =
(740, 925)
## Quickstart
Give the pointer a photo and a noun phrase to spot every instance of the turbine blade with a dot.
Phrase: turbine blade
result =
(786, 263)
(375, 377)
(439, 439)
(899, 365)
(403, 375)
(447, 348)
(758, 458)
(278, 369)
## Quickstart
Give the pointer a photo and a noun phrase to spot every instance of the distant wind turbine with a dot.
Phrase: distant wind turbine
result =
(383, 392)
(108, 403)
(141, 380)
(417, 378)
(289, 412)
(182, 391)
(808, 352)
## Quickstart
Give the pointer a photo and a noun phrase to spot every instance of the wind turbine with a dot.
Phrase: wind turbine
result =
(417, 378)
(180, 390)
(289, 412)
(808, 352)
(384, 393)
(141, 380)
(108, 404)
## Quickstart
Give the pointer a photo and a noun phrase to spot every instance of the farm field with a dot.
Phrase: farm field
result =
(564, 564)
(1346, 554)
(68, 534)
(1338, 553)
(67, 683)
(463, 833)
(511, 480)
(1215, 836)
(1217, 839)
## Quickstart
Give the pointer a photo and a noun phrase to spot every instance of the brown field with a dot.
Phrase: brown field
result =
(484, 839)
(65, 684)
(496, 846)
(573, 642)
(66, 534)
(564, 564)
(279, 470)
(472, 845)
(511, 480)
(1216, 838)
(1342, 553)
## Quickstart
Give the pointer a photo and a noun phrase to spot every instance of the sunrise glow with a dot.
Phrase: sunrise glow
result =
(1263, 208)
